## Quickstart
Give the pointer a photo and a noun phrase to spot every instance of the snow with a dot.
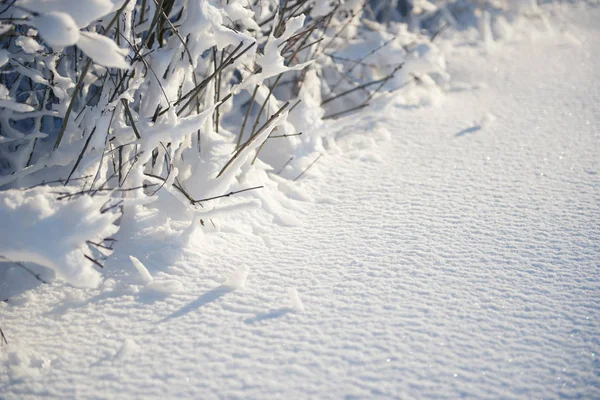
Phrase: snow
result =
(61, 230)
(10, 104)
(82, 13)
(295, 299)
(29, 45)
(102, 50)
(237, 279)
(447, 246)
(57, 28)
(142, 270)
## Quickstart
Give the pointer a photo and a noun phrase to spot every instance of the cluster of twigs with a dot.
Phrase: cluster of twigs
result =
(158, 21)
(121, 111)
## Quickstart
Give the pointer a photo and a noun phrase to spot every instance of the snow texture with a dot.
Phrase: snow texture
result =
(449, 248)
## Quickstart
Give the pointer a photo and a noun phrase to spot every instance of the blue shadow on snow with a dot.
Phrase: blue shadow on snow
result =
(208, 297)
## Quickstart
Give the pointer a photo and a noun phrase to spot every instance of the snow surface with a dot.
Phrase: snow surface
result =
(445, 251)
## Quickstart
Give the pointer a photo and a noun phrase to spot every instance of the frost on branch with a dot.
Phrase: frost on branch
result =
(272, 62)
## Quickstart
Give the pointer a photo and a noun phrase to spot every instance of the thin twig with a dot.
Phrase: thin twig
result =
(285, 165)
(230, 60)
(439, 31)
(229, 194)
(248, 111)
(94, 261)
(357, 62)
(155, 19)
(2, 333)
(262, 108)
(130, 117)
(80, 157)
(76, 90)
(117, 204)
(79, 84)
(306, 46)
(295, 104)
(285, 135)
(383, 82)
(307, 168)
(36, 276)
(2, 12)
(65, 195)
(345, 111)
(89, 242)
(253, 138)
(364, 85)
(176, 186)
(58, 181)
(339, 32)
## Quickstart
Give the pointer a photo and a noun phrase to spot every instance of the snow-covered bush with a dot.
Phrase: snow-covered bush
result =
(114, 109)
(490, 18)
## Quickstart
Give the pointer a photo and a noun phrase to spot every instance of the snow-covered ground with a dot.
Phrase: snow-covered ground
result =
(451, 250)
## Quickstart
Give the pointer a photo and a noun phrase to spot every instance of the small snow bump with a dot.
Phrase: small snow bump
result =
(127, 348)
(295, 299)
(237, 279)
(487, 120)
(143, 271)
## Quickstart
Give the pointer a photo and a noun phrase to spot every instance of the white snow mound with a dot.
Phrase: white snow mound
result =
(53, 233)
(57, 29)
